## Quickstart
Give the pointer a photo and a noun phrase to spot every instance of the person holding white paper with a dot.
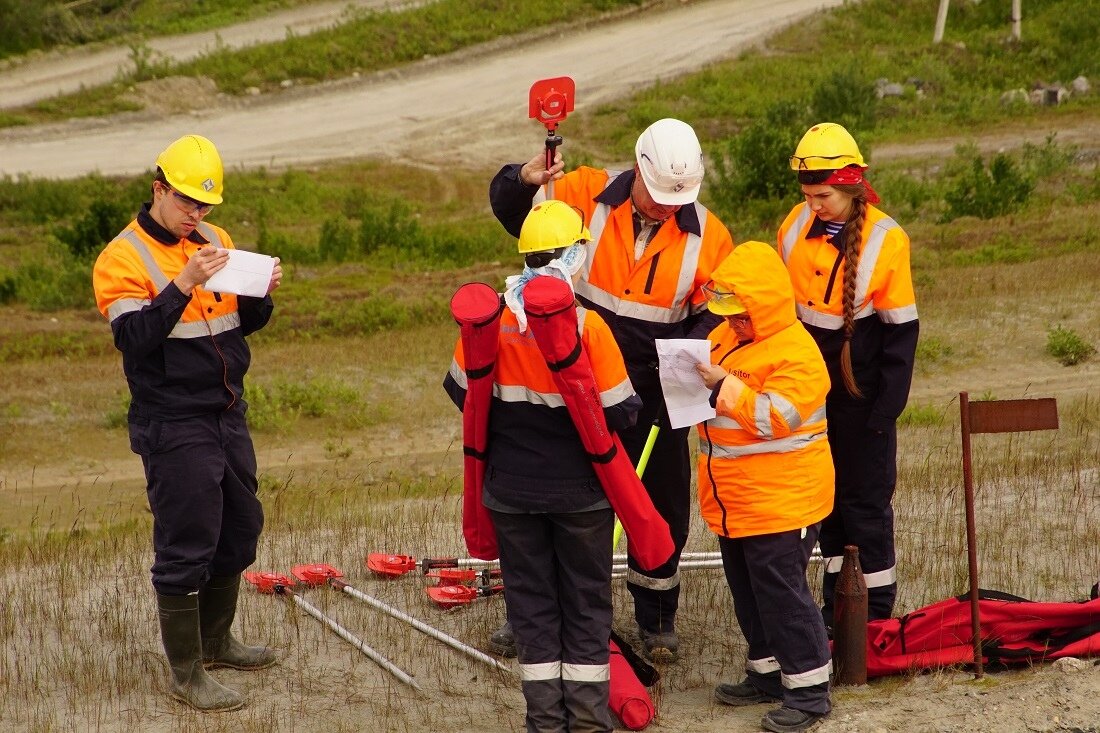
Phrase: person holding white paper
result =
(766, 482)
(185, 357)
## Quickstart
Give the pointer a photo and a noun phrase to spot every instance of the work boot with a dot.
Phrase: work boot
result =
(743, 693)
(662, 646)
(189, 683)
(217, 608)
(503, 641)
(790, 720)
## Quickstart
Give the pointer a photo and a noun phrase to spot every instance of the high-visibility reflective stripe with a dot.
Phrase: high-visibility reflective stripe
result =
(585, 672)
(767, 665)
(519, 393)
(904, 314)
(458, 374)
(868, 258)
(540, 672)
(635, 577)
(788, 444)
(813, 677)
(614, 395)
(151, 267)
(786, 410)
(791, 237)
(816, 416)
(827, 320)
(762, 416)
(197, 329)
(832, 563)
(724, 423)
(685, 283)
(211, 235)
(125, 305)
(882, 578)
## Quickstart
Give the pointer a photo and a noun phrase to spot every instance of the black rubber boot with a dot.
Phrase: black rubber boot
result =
(217, 608)
(190, 684)
(742, 693)
(661, 646)
(790, 720)
(503, 641)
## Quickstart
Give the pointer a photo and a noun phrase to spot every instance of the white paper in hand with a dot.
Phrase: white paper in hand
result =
(686, 396)
(246, 273)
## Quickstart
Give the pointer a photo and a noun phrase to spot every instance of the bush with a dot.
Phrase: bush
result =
(848, 98)
(337, 241)
(1068, 347)
(753, 164)
(102, 221)
(975, 190)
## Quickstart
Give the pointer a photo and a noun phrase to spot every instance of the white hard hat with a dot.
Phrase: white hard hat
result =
(671, 162)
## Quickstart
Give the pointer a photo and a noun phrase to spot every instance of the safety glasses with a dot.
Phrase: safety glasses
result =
(799, 163)
(188, 205)
(715, 294)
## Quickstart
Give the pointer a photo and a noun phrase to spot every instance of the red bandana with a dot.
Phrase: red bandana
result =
(849, 176)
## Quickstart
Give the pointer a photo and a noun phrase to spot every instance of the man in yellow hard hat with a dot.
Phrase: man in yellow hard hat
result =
(185, 357)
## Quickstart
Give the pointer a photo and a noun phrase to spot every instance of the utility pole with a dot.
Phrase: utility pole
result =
(1017, 12)
(941, 21)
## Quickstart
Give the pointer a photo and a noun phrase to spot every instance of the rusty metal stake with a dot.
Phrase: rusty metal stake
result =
(850, 622)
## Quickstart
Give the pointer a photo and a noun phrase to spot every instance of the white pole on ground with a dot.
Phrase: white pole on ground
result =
(1017, 13)
(417, 624)
(354, 641)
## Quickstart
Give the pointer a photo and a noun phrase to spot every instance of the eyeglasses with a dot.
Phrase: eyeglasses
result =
(188, 205)
(713, 294)
(799, 163)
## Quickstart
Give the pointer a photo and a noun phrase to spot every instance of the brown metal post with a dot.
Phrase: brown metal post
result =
(971, 534)
(850, 622)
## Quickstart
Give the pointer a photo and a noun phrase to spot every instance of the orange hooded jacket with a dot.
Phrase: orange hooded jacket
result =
(764, 461)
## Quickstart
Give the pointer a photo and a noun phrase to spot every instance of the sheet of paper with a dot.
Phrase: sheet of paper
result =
(246, 273)
(686, 397)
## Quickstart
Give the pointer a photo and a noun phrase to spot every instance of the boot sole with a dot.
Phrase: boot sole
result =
(188, 703)
(662, 655)
(778, 728)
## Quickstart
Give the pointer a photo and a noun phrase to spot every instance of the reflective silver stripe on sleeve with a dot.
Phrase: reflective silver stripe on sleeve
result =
(762, 416)
(515, 393)
(125, 305)
(816, 416)
(151, 267)
(788, 444)
(792, 235)
(540, 672)
(810, 678)
(889, 576)
(767, 665)
(198, 329)
(868, 258)
(585, 672)
(635, 577)
(904, 314)
(786, 410)
(458, 374)
(614, 395)
(724, 423)
(826, 320)
(832, 563)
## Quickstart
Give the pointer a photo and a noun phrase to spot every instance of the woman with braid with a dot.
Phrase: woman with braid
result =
(849, 265)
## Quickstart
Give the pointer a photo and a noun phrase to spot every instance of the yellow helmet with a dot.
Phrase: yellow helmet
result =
(550, 225)
(826, 147)
(192, 166)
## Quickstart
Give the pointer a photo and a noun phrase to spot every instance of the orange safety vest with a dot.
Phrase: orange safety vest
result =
(764, 460)
(884, 283)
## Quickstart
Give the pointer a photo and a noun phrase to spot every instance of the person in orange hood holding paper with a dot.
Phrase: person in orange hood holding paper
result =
(185, 357)
(766, 482)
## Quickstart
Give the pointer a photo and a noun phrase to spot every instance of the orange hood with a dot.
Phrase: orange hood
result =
(758, 276)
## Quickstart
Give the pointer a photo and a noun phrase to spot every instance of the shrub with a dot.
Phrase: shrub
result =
(1067, 346)
(846, 97)
(975, 190)
(753, 164)
(337, 240)
(100, 223)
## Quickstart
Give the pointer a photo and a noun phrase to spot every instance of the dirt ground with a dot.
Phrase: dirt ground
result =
(412, 115)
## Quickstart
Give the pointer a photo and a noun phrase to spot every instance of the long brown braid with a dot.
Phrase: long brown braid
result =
(853, 238)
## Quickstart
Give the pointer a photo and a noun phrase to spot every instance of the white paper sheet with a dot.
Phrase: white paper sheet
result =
(246, 273)
(686, 396)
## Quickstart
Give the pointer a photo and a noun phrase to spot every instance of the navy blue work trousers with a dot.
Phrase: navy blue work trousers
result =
(201, 485)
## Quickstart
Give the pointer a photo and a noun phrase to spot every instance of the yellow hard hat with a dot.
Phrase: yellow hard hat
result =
(192, 166)
(826, 147)
(721, 300)
(550, 225)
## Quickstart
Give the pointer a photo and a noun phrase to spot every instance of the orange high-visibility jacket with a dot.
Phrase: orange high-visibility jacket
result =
(530, 430)
(764, 461)
(183, 355)
(652, 297)
(883, 346)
